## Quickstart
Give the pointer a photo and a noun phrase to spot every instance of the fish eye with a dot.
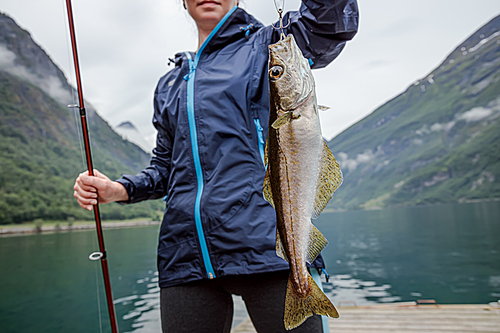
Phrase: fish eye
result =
(275, 72)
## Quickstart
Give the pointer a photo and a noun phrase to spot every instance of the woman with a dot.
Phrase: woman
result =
(211, 113)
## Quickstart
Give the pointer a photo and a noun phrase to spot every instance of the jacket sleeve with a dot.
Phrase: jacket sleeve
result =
(321, 28)
(151, 183)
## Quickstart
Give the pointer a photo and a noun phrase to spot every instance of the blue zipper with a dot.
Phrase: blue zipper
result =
(260, 137)
(193, 64)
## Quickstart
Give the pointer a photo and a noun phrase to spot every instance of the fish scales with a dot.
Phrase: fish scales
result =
(294, 160)
(302, 176)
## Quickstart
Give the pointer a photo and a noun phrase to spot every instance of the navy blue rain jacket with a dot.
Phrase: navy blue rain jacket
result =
(211, 114)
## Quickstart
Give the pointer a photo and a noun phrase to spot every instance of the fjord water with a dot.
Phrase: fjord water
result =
(449, 253)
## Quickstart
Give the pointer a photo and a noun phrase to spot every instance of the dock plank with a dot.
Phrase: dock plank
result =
(456, 318)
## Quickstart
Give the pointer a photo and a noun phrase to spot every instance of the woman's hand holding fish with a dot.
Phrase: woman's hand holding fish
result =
(98, 188)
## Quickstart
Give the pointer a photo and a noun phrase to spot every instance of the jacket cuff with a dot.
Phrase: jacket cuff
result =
(129, 187)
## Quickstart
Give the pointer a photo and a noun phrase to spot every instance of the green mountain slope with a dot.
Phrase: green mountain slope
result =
(438, 142)
(40, 149)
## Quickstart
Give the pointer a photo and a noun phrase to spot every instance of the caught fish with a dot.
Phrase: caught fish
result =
(301, 177)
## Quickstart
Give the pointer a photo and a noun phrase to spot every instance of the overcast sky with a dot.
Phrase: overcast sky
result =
(124, 45)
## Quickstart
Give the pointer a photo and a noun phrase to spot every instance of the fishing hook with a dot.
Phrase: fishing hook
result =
(279, 9)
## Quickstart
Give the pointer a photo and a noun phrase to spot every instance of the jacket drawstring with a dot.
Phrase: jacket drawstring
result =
(192, 68)
(247, 30)
(326, 274)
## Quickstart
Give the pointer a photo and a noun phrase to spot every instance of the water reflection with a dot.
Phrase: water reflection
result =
(142, 311)
(344, 289)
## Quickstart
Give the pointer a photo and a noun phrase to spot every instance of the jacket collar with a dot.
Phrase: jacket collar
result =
(239, 25)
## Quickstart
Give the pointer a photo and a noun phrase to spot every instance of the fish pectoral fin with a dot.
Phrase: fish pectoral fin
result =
(266, 187)
(298, 309)
(280, 249)
(317, 242)
(284, 119)
(323, 108)
(329, 179)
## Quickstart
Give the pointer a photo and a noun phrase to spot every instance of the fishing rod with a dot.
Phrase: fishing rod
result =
(83, 116)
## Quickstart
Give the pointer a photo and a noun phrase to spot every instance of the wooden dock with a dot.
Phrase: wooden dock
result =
(410, 317)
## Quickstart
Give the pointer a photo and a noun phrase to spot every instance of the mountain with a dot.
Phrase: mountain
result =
(127, 125)
(438, 142)
(129, 132)
(40, 141)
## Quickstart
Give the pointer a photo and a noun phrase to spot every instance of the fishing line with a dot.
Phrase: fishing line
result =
(68, 53)
(73, 90)
(98, 298)
(280, 6)
(97, 287)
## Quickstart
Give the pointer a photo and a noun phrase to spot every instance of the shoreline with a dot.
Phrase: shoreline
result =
(30, 229)
(62, 226)
(460, 202)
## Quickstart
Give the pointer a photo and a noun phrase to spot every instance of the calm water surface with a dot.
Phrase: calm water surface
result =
(447, 253)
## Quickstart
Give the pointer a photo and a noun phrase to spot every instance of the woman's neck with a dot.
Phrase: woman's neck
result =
(203, 32)
(202, 36)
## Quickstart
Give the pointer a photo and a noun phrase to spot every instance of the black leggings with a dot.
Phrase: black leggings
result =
(207, 305)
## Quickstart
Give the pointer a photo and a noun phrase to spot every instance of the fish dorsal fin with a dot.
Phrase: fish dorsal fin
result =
(266, 187)
(317, 242)
(280, 249)
(329, 179)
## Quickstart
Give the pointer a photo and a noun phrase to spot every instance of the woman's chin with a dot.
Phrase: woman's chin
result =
(210, 18)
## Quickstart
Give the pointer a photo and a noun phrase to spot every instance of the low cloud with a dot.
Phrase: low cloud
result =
(475, 114)
(7, 57)
(436, 127)
(351, 164)
(423, 130)
(51, 85)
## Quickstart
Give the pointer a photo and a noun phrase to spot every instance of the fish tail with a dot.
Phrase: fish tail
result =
(298, 309)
